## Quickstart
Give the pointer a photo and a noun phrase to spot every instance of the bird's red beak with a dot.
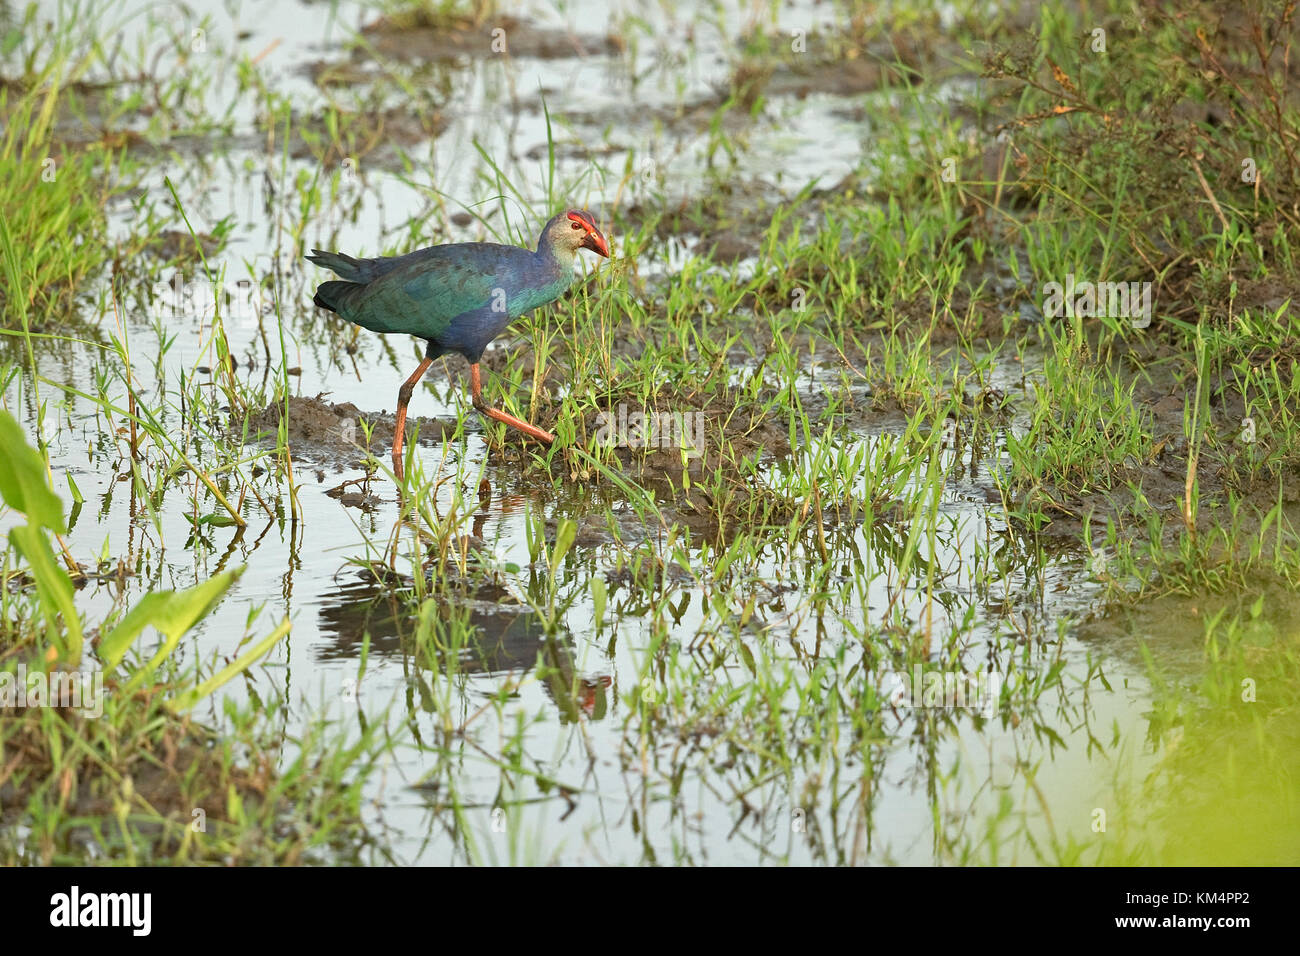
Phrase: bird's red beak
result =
(596, 243)
(593, 240)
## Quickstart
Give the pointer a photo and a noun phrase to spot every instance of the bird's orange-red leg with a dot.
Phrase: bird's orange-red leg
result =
(404, 399)
(477, 389)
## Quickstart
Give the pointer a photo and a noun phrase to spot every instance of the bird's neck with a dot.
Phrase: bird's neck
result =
(558, 261)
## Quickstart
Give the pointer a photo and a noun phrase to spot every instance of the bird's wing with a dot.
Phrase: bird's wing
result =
(423, 292)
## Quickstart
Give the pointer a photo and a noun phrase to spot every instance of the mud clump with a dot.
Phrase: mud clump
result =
(661, 446)
(417, 37)
(726, 248)
(324, 430)
(173, 245)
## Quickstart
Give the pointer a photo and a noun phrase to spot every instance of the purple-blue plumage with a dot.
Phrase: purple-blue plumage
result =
(457, 297)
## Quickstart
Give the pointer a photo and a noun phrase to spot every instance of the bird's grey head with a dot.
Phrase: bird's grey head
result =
(570, 231)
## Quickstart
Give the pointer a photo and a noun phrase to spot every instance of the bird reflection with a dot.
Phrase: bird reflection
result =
(509, 639)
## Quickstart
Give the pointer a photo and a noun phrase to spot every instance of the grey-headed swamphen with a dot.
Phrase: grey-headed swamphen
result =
(458, 298)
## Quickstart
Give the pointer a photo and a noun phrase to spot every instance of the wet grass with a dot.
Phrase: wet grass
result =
(902, 466)
(108, 764)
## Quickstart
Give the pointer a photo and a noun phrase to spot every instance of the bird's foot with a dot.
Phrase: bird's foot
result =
(532, 431)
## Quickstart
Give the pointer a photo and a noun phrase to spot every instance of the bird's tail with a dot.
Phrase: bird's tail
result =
(343, 266)
(334, 295)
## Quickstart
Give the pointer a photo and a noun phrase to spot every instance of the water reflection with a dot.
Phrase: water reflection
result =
(505, 638)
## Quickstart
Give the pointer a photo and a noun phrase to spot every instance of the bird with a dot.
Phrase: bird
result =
(458, 297)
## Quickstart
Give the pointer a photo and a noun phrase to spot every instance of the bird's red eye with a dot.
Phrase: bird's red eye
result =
(576, 226)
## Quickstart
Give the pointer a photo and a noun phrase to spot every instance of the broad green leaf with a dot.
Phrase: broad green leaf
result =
(172, 613)
(53, 589)
(564, 536)
(24, 484)
(77, 496)
(598, 597)
(747, 656)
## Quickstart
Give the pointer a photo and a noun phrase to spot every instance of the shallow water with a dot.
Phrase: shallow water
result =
(562, 770)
